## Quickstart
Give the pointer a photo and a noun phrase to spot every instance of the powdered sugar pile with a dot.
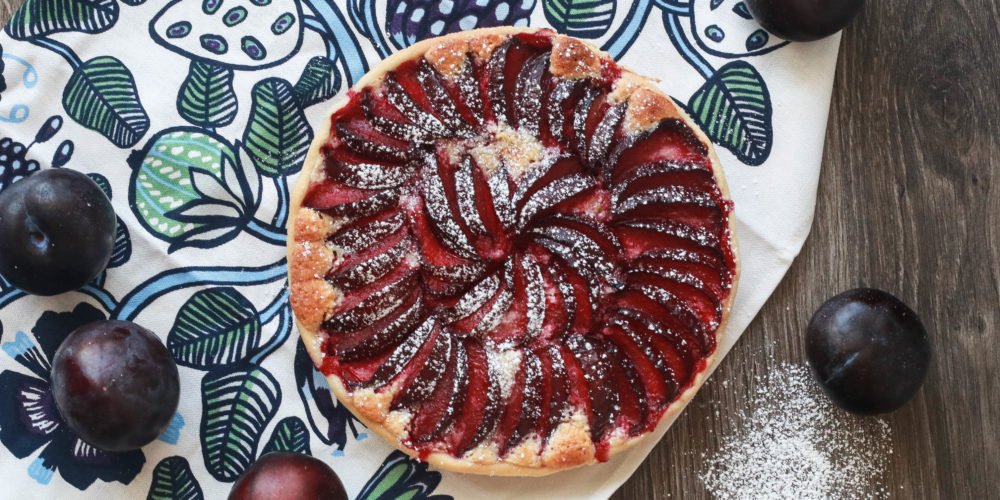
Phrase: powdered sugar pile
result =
(794, 443)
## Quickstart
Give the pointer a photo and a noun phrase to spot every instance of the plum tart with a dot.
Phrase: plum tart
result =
(509, 255)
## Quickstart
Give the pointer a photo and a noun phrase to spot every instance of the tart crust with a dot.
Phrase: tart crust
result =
(309, 257)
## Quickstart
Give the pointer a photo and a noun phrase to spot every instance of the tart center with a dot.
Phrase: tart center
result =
(515, 150)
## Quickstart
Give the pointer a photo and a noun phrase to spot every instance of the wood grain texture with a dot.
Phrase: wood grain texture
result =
(909, 201)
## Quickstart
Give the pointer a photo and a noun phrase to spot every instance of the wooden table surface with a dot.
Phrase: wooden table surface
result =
(909, 201)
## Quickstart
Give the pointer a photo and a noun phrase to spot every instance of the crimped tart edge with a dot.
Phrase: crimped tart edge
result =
(311, 294)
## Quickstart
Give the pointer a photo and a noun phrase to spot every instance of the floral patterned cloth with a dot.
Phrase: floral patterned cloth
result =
(195, 116)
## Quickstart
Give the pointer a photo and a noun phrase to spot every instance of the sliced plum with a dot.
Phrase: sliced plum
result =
(604, 134)
(536, 306)
(528, 93)
(478, 414)
(524, 406)
(447, 282)
(594, 231)
(555, 400)
(561, 101)
(654, 375)
(371, 302)
(440, 100)
(408, 101)
(687, 268)
(645, 314)
(368, 175)
(363, 139)
(438, 412)
(467, 197)
(419, 342)
(660, 175)
(340, 200)
(590, 103)
(367, 271)
(463, 88)
(441, 213)
(493, 82)
(543, 174)
(386, 332)
(432, 251)
(671, 140)
(593, 358)
(584, 252)
(582, 273)
(421, 384)
(697, 311)
(552, 195)
(670, 202)
(389, 120)
(508, 434)
(632, 399)
(639, 237)
(560, 305)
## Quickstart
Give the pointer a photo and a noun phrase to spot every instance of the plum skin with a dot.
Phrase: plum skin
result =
(57, 232)
(804, 20)
(284, 475)
(115, 384)
(869, 351)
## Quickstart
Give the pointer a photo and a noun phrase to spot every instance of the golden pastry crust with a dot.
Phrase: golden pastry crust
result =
(647, 106)
(574, 59)
(373, 405)
(313, 298)
(570, 445)
(482, 43)
(448, 55)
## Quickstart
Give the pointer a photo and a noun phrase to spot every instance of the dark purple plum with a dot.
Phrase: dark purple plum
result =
(57, 232)
(869, 351)
(804, 20)
(115, 384)
(283, 475)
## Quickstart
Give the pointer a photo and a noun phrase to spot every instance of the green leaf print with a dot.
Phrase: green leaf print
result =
(43, 17)
(206, 97)
(290, 435)
(401, 477)
(215, 327)
(278, 134)
(173, 480)
(237, 404)
(101, 95)
(734, 108)
(185, 170)
(319, 82)
(580, 18)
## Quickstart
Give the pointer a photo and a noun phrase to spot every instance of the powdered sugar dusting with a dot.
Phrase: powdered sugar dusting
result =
(535, 291)
(475, 298)
(507, 363)
(796, 444)
(665, 195)
(516, 149)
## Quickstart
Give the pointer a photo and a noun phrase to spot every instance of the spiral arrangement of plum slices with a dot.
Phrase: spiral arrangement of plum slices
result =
(508, 255)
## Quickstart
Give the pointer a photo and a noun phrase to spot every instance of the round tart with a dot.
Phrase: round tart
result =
(509, 255)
